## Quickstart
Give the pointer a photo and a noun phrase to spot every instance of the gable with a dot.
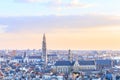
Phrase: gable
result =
(76, 63)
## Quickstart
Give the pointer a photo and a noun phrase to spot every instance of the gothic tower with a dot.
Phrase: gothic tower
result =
(70, 56)
(44, 49)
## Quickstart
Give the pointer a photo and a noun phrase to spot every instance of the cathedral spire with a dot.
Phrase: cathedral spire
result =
(44, 49)
(44, 38)
(70, 56)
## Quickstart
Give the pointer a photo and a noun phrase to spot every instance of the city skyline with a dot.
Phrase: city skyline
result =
(68, 24)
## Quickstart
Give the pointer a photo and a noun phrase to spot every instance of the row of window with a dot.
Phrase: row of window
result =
(63, 69)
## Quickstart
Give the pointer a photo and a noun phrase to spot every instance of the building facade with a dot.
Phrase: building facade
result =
(68, 66)
(63, 66)
(84, 65)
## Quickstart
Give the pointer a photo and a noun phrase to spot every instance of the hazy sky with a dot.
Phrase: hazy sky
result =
(68, 24)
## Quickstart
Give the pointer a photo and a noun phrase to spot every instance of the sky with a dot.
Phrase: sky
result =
(68, 24)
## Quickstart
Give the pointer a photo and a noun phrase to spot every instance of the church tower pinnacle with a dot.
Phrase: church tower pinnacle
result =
(70, 56)
(44, 49)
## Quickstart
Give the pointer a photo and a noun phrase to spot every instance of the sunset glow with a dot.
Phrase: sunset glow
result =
(78, 24)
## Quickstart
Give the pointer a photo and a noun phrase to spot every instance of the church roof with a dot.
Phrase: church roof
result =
(68, 63)
(34, 57)
(18, 57)
(103, 62)
(63, 63)
(86, 62)
(52, 55)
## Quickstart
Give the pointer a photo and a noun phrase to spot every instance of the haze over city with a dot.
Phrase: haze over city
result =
(68, 24)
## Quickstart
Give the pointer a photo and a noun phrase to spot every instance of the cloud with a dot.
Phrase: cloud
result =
(71, 4)
(59, 4)
(78, 4)
(32, 1)
(50, 23)
(3, 28)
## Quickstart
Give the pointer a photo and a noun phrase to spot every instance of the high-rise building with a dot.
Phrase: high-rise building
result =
(44, 49)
